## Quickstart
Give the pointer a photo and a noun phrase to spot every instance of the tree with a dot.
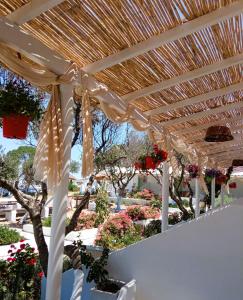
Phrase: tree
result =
(118, 162)
(74, 166)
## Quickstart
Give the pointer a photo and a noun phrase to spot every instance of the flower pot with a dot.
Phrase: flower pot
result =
(127, 292)
(15, 126)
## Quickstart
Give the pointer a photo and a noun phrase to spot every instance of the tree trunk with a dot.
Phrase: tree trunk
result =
(185, 213)
(190, 198)
(40, 241)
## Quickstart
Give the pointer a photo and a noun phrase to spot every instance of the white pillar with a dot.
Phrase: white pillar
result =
(55, 262)
(222, 195)
(213, 193)
(197, 192)
(165, 196)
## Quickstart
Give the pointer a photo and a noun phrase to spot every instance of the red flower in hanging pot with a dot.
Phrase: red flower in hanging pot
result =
(15, 126)
(156, 149)
(232, 185)
(149, 162)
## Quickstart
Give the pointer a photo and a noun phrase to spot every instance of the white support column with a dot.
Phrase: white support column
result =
(213, 193)
(222, 195)
(165, 196)
(55, 262)
(197, 192)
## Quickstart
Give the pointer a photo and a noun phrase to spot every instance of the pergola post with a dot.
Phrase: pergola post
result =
(222, 195)
(197, 192)
(56, 248)
(213, 193)
(165, 196)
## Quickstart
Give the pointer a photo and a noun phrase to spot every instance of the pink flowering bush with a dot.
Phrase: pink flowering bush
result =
(145, 194)
(138, 212)
(20, 275)
(86, 220)
(118, 232)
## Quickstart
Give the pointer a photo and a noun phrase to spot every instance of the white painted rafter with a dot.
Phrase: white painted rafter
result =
(173, 34)
(222, 121)
(201, 114)
(190, 75)
(238, 152)
(32, 10)
(197, 99)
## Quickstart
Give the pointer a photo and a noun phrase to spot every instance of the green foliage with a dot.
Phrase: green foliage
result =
(156, 203)
(8, 236)
(74, 166)
(102, 206)
(47, 222)
(154, 227)
(72, 187)
(20, 275)
(17, 97)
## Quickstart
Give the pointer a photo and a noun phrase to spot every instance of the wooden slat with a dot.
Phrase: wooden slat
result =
(176, 33)
(196, 99)
(202, 114)
(32, 10)
(220, 65)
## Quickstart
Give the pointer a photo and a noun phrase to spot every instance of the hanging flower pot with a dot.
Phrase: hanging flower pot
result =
(15, 126)
(19, 104)
(232, 185)
(237, 163)
(218, 134)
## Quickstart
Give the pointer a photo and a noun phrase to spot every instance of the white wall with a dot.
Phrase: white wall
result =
(200, 260)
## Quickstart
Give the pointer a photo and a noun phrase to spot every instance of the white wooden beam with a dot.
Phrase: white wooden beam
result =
(32, 10)
(222, 121)
(205, 146)
(197, 73)
(202, 114)
(173, 34)
(230, 153)
(197, 99)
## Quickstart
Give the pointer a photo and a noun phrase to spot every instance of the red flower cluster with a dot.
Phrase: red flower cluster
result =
(151, 161)
(193, 171)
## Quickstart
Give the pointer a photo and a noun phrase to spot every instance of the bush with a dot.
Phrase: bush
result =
(118, 232)
(137, 212)
(47, 222)
(73, 187)
(8, 236)
(154, 227)
(144, 194)
(20, 275)
(102, 206)
(86, 220)
(156, 203)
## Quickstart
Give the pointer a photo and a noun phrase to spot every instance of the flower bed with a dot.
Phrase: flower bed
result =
(86, 220)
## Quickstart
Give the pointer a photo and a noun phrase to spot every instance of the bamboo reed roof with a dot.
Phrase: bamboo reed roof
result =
(88, 31)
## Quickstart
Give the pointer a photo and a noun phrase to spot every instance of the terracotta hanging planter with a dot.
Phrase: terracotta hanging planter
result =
(15, 126)
(237, 163)
(218, 134)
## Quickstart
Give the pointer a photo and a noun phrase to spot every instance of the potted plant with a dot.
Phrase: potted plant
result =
(105, 288)
(18, 105)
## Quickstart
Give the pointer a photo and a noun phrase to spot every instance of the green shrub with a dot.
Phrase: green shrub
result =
(47, 222)
(8, 236)
(154, 227)
(102, 206)
(156, 203)
(72, 187)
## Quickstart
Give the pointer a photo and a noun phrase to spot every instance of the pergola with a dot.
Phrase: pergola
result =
(171, 67)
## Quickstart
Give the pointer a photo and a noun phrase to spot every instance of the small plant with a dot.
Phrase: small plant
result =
(154, 227)
(8, 236)
(102, 206)
(73, 187)
(47, 222)
(20, 275)
(17, 98)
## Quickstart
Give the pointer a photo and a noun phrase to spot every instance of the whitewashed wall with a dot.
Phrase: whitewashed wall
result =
(200, 260)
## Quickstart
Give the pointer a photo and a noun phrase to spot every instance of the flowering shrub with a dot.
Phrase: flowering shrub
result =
(174, 218)
(118, 232)
(86, 220)
(193, 171)
(20, 275)
(220, 178)
(137, 212)
(145, 194)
